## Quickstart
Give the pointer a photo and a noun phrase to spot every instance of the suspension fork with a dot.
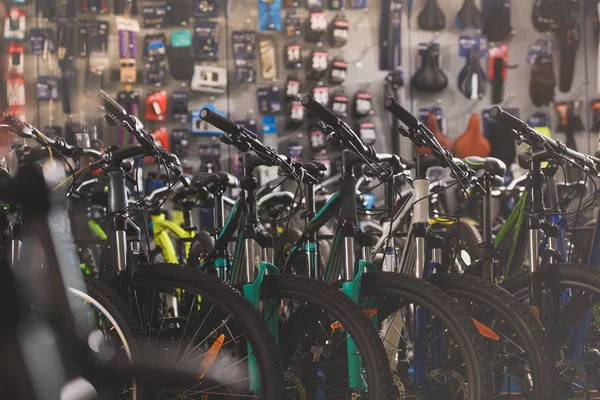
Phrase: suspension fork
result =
(16, 241)
(488, 264)
(312, 244)
(536, 178)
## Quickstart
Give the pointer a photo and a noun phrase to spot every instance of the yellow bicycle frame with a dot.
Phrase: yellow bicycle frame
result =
(161, 227)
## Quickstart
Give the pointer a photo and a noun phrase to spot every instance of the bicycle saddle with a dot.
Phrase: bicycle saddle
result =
(431, 17)
(315, 168)
(186, 196)
(434, 127)
(203, 179)
(497, 24)
(490, 165)
(429, 78)
(472, 78)
(468, 16)
(472, 142)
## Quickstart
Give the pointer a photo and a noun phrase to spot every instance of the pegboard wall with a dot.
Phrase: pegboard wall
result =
(361, 53)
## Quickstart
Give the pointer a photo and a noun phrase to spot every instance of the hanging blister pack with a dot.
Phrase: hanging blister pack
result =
(295, 115)
(359, 4)
(269, 100)
(156, 106)
(317, 139)
(390, 52)
(314, 4)
(154, 16)
(179, 55)
(293, 24)
(366, 132)
(339, 105)
(125, 7)
(295, 151)
(178, 12)
(338, 72)
(179, 144)
(47, 88)
(206, 40)
(363, 105)
(179, 106)
(336, 4)
(128, 56)
(15, 59)
(69, 84)
(292, 3)
(268, 61)
(269, 15)
(130, 101)
(317, 27)
(65, 50)
(249, 124)
(15, 90)
(321, 94)
(46, 9)
(293, 88)
(155, 46)
(206, 8)
(338, 32)
(41, 41)
(244, 56)
(269, 125)
(155, 72)
(292, 56)
(14, 24)
(209, 79)
(93, 37)
(318, 63)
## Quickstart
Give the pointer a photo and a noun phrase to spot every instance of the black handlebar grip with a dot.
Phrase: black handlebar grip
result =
(324, 113)
(111, 106)
(14, 123)
(401, 113)
(219, 122)
(512, 122)
(28, 155)
(123, 153)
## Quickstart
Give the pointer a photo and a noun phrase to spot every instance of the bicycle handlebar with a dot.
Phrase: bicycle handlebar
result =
(536, 139)
(324, 113)
(401, 113)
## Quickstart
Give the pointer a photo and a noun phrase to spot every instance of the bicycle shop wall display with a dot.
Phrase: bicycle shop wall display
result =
(253, 60)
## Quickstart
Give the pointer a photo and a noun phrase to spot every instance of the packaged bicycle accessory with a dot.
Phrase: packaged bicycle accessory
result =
(249, 124)
(46, 9)
(569, 122)
(321, 94)
(338, 31)
(438, 113)
(390, 52)
(543, 80)
(69, 89)
(314, 4)
(14, 24)
(339, 104)
(209, 79)
(431, 17)
(209, 155)
(363, 105)
(595, 105)
(178, 12)
(429, 78)
(268, 62)
(502, 142)
(269, 100)
(366, 132)
(293, 24)
(269, 130)
(93, 37)
(206, 40)
(293, 88)
(496, 20)
(498, 61)
(269, 15)
(155, 71)
(179, 144)
(125, 7)
(201, 127)
(295, 115)
(472, 142)
(205, 8)
(244, 55)
(318, 64)
(568, 34)
(292, 56)
(179, 55)
(317, 26)
(41, 42)
(179, 106)
(128, 55)
(47, 88)
(292, 3)
(156, 106)
(317, 139)
(472, 79)
(295, 151)
(155, 45)
(15, 59)
(65, 41)
(154, 16)
(338, 71)
(15, 89)
(161, 139)
(468, 16)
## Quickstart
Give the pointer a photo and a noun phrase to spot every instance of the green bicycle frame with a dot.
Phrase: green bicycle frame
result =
(515, 223)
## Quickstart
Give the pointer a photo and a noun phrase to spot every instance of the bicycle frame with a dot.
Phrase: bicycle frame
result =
(162, 230)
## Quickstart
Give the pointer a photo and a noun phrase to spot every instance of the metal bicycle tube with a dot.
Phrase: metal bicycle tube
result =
(117, 202)
(488, 265)
(348, 214)
(420, 222)
(389, 258)
(16, 242)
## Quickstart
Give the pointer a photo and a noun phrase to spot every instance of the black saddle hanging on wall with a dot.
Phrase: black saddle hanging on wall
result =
(468, 16)
(431, 17)
(472, 79)
(429, 78)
